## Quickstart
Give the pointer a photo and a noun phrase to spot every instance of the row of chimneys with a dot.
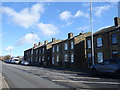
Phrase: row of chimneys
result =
(45, 42)
(70, 35)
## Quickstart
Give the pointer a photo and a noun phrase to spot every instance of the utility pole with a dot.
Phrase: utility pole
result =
(91, 27)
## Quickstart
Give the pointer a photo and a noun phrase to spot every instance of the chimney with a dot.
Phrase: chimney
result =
(39, 43)
(117, 21)
(53, 39)
(70, 35)
(35, 45)
(81, 33)
(45, 42)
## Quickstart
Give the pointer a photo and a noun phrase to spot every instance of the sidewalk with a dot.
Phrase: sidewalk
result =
(3, 83)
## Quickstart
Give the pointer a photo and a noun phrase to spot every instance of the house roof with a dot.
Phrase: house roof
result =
(105, 30)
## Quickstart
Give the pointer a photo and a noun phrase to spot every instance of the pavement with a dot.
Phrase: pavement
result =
(60, 78)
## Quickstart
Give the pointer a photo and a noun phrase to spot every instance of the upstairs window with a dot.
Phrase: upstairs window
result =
(99, 42)
(89, 43)
(43, 50)
(53, 49)
(66, 46)
(114, 39)
(57, 48)
(72, 45)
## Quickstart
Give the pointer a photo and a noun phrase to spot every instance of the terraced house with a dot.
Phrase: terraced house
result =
(106, 43)
(40, 54)
(71, 51)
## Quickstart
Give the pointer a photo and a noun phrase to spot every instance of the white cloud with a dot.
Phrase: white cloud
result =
(48, 29)
(81, 14)
(99, 10)
(9, 48)
(66, 15)
(26, 17)
(28, 39)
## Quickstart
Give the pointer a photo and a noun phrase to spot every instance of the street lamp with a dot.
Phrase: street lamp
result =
(91, 27)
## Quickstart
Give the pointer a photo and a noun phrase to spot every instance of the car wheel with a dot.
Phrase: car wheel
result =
(94, 71)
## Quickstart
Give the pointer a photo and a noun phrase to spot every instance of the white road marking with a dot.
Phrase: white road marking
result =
(85, 82)
(84, 77)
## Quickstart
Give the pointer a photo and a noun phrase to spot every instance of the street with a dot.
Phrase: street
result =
(18, 76)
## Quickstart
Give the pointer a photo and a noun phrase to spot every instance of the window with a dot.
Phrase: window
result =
(100, 57)
(39, 59)
(66, 46)
(89, 59)
(72, 45)
(39, 50)
(99, 42)
(53, 49)
(36, 51)
(57, 48)
(114, 39)
(89, 43)
(43, 50)
(66, 58)
(53, 60)
(57, 58)
(43, 58)
(114, 53)
(72, 58)
(32, 51)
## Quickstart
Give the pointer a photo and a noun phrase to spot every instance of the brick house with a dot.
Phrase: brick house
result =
(71, 51)
(106, 43)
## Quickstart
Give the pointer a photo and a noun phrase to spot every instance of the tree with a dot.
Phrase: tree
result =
(7, 57)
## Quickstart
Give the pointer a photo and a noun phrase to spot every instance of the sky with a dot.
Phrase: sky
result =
(25, 23)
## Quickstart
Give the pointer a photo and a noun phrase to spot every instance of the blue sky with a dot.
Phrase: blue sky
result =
(47, 20)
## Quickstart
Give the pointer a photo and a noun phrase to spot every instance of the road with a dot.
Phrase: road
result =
(18, 76)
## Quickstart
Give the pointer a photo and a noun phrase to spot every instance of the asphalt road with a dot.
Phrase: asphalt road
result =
(20, 79)
(18, 76)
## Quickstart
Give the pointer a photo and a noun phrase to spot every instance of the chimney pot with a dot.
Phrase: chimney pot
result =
(70, 35)
(35, 45)
(45, 42)
(40, 43)
(117, 21)
(53, 39)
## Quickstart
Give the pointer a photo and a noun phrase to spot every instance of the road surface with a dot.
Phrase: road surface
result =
(18, 76)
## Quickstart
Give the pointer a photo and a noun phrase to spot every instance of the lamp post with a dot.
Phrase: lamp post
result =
(91, 27)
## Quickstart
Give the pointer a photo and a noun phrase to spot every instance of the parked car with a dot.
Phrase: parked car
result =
(7, 61)
(15, 60)
(25, 63)
(111, 66)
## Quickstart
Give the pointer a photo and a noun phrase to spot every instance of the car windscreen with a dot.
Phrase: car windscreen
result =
(16, 60)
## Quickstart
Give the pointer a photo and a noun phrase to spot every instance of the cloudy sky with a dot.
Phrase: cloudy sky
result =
(26, 23)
